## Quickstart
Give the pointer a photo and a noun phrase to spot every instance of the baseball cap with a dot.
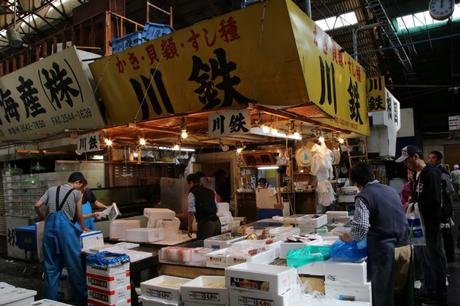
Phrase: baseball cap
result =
(408, 151)
(77, 176)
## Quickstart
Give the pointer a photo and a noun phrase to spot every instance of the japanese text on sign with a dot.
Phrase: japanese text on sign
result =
(375, 94)
(88, 143)
(229, 122)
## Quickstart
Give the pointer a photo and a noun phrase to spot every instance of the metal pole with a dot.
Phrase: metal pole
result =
(355, 37)
(308, 7)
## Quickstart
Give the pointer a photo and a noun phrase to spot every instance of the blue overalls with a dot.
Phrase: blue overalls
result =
(61, 248)
(86, 210)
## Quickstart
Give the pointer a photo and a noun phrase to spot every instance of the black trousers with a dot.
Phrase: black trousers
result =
(449, 246)
(434, 264)
(206, 229)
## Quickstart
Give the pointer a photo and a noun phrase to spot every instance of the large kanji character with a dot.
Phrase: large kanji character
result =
(207, 93)
(93, 142)
(222, 68)
(376, 103)
(354, 102)
(238, 123)
(194, 40)
(58, 84)
(29, 98)
(10, 107)
(168, 48)
(328, 90)
(152, 54)
(206, 38)
(228, 29)
(218, 124)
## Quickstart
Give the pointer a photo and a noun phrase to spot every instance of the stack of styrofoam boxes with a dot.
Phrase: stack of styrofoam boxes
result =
(256, 284)
(93, 239)
(118, 228)
(145, 234)
(109, 284)
(13, 296)
(162, 290)
(311, 223)
(205, 291)
(347, 281)
(225, 216)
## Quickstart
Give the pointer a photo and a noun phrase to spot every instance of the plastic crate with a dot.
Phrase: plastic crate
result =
(155, 30)
(26, 237)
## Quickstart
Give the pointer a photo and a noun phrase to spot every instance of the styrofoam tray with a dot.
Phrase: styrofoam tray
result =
(203, 290)
(163, 287)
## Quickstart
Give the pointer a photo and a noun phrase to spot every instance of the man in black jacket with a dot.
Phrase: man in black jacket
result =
(202, 205)
(428, 195)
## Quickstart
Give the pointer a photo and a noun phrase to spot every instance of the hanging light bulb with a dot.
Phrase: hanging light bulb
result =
(176, 147)
(274, 131)
(239, 150)
(135, 154)
(341, 140)
(321, 139)
(265, 128)
(142, 141)
(296, 135)
(108, 142)
(184, 134)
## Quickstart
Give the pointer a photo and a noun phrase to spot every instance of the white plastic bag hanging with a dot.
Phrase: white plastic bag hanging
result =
(416, 226)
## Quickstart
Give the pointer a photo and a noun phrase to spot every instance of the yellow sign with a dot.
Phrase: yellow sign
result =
(335, 81)
(265, 53)
(376, 94)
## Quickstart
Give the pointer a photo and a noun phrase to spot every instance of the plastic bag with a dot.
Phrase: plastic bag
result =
(355, 251)
(106, 259)
(304, 256)
(416, 226)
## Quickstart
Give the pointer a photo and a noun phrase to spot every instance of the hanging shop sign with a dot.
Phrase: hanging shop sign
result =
(46, 98)
(89, 143)
(454, 123)
(229, 122)
(376, 94)
(335, 81)
(269, 53)
(393, 110)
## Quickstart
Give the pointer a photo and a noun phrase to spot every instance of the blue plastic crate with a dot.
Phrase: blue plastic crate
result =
(155, 30)
(268, 213)
(26, 237)
(128, 41)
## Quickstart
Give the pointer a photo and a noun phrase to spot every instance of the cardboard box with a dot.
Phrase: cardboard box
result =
(246, 298)
(166, 288)
(91, 239)
(205, 290)
(349, 292)
(109, 297)
(345, 272)
(260, 278)
(313, 284)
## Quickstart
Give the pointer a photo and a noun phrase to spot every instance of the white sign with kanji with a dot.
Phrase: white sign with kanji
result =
(229, 122)
(47, 97)
(88, 143)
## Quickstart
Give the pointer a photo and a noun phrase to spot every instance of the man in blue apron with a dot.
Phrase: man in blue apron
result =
(61, 238)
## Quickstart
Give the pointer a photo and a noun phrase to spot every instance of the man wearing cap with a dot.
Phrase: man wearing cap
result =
(427, 193)
(61, 238)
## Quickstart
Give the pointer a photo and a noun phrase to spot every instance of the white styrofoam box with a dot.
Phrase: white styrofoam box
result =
(13, 296)
(260, 278)
(223, 207)
(336, 214)
(99, 303)
(188, 303)
(116, 280)
(314, 268)
(107, 272)
(184, 255)
(217, 259)
(314, 221)
(285, 247)
(267, 244)
(205, 289)
(222, 241)
(91, 239)
(159, 213)
(145, 234)
(295, 219)
(163, 287)
(224, 220)
(246, 298)
(264, 257)
(116, 296)
(118, 228)
(46, 302)
(349, 292)
(345, 272)
(154, 302)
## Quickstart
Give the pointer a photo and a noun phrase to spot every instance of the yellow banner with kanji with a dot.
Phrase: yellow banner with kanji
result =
(376, 94)
(264, 53)
(335, 81)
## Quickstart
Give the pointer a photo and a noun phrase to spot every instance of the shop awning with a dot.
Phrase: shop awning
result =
(269, 53)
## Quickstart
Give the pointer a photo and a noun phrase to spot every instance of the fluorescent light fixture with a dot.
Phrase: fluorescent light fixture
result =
(268, 168)
(177, 148)
(97, 157)
(275, 133)
(336, 22)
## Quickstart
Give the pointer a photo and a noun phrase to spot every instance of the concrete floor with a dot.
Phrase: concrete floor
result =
(29, 275)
